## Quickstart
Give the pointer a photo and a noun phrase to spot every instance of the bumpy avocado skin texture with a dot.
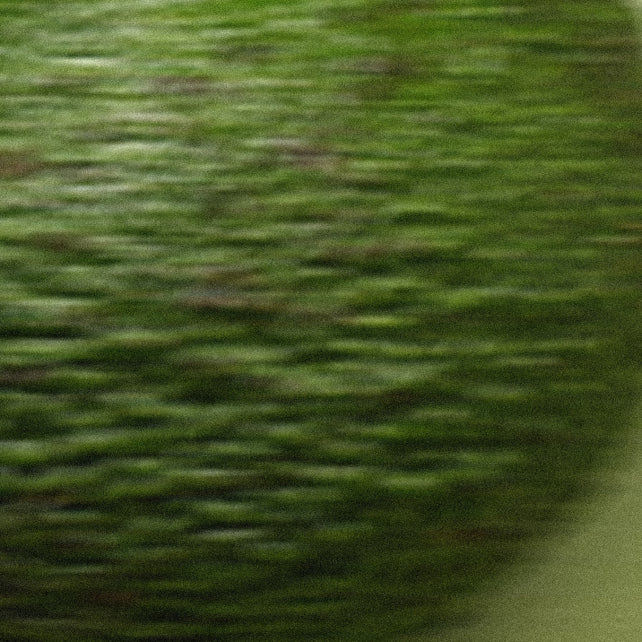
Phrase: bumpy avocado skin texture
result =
(312, 315)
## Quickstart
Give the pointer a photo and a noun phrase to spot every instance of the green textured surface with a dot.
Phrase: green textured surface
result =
(311, 313)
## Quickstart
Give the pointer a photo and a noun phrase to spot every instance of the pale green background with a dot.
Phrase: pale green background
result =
(583, 587)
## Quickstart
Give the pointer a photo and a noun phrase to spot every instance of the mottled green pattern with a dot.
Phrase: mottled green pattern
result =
(311, 312)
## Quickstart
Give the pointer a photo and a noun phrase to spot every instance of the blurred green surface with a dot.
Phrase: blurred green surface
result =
(311, 314)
